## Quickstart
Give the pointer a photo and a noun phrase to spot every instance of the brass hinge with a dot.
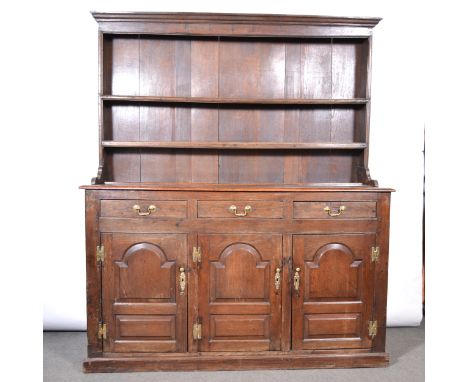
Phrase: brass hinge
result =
(372, 329)
(375, 253)
(196, 254)
(197, 331)
(100, 253)
(102, 331)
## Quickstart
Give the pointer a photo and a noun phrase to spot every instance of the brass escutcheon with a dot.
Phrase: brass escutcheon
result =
(297, 279)
(182, 282)
(277, 278)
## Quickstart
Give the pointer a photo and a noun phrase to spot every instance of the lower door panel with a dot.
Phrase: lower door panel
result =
(332, 294)
(240, 303)
(144, 304)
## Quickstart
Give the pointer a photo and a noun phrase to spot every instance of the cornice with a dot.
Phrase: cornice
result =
(235, 18)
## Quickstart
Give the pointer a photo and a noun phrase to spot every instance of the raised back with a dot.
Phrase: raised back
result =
(234, 99)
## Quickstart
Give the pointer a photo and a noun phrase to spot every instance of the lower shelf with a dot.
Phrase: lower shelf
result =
(219, 145)
(233, 361)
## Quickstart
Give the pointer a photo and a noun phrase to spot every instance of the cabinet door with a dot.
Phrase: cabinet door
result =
(239, 304)
(144, 304)
(333, 303)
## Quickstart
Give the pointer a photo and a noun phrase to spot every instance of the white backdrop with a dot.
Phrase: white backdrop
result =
(62, 121)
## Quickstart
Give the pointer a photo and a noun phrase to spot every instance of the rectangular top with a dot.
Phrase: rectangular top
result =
(230, 24)
(325, 187)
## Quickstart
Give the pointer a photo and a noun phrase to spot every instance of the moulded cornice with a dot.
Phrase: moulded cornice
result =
(235, 18)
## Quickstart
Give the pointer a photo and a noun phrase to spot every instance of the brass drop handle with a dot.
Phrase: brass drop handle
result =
(137, 209)
(297, 279)
(338, 213)
(182, 281)
(247, 209)
(277, 278)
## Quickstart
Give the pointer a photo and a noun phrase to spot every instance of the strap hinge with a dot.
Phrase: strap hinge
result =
(196, 254)
(100, 253)
(197, 331)
(102, 331)
(372, 329)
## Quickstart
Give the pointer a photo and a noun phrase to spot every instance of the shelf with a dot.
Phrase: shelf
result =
(234, 145)
(235, 101)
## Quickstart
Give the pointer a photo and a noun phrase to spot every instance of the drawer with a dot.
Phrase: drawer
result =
(335, 210)
(240, 209)
(128, 209)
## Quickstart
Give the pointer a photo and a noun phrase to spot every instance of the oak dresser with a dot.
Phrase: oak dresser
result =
(233, 223)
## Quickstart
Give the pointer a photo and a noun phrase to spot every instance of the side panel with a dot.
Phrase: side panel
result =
(381, 272)
(93, 274)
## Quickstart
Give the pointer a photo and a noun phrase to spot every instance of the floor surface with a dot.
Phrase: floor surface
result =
(64, 352)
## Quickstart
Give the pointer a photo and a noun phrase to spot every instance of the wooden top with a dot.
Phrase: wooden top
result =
(230, 24)
(323, 187)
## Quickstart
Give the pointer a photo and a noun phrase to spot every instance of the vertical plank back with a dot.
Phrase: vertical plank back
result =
(241, 68)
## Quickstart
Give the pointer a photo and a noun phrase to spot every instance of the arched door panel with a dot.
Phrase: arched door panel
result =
(240, 307)
(144, 309)
(334, 301)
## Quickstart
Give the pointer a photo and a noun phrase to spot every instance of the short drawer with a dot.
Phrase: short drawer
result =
(240, 209)
(334, 210)
(151, 209)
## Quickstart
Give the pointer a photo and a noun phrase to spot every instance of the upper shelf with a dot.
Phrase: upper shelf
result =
(234, 145)
(236, 101)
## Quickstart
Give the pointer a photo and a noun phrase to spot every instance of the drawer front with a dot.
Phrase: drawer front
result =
(148, 209)
(240, 209)
(335, 210)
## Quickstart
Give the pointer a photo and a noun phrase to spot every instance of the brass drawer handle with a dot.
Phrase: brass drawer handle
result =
(277, 278)
(182, 281)
(137, 209)
(338, 213)
(297, 280)
(247, 209)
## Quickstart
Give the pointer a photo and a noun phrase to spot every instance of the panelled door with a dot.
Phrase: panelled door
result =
(240, 292)
(332, 291)
(145, 292)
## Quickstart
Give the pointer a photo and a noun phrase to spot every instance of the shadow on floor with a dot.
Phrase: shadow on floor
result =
(65, 351)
